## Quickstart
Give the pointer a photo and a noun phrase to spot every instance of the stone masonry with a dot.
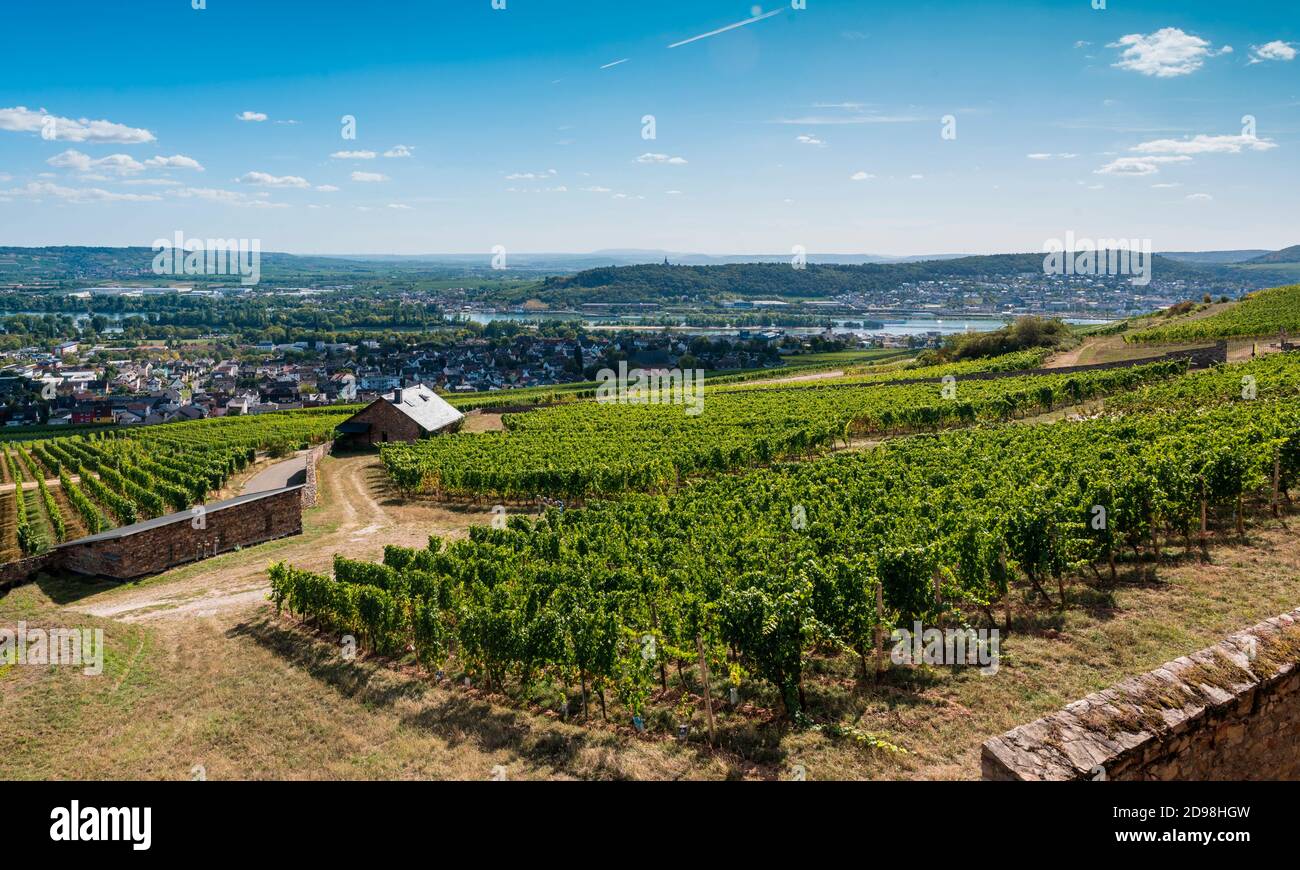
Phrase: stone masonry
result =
(158, 546)
(1228, 712)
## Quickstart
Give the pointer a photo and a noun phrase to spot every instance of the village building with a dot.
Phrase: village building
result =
(406, 414)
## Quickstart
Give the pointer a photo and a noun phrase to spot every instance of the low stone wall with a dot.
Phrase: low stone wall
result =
(314, 457)
(1198, 358)
(19, 572)
(1228, 712)
(157, 548)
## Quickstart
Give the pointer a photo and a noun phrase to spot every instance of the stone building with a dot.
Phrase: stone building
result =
(406, 414)
(163, 542)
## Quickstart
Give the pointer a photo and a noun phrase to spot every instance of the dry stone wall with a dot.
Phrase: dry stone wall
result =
(1228, 712)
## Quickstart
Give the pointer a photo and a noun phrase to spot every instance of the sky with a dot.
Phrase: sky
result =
(838, 126)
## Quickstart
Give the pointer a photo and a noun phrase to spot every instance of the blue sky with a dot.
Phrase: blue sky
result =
(522, 127)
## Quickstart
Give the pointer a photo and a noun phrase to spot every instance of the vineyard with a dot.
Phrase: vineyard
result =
(592, 449)
(1263, 313)
(740, 583)
(116, 477)
(762, 569)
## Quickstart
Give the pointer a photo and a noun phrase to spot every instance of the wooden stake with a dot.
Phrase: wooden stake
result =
(1277, 481)
(704, 679)
(880, 630)
(1205, 519)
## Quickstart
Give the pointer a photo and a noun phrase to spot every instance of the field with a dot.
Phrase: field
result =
(63, 487)
(1262, 313)
(712, 599)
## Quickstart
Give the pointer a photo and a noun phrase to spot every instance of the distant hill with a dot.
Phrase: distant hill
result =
(1219, 257)
(1286, 255)
(645, 283)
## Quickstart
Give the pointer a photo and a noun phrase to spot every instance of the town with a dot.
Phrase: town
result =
(116, 382)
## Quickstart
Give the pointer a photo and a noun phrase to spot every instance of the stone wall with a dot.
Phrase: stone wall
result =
(1228, 712)
(1198, 358)
(160, 547)
(19, 572)
(314, 456)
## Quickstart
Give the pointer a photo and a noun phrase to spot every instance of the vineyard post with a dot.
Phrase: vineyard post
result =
(704, 680)
(1277, 480)
(880, 629)
(1006, 596)
(1205, 520)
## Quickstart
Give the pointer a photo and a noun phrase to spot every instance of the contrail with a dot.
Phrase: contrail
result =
(615, 63)
(729, 27)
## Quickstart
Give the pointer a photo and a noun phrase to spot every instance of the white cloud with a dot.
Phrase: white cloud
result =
(120, 164)
(369, 176)
(1199, 197)
(673, 192)
(176, 161)
(1139, 165)
(78, 195)
(1044, 155)
(1165, 53)
(20, 119)
(327, 188)
(265, 179)
(1166, 184)
(224, 197)
(399, 151)
(1203, 144)
(660, 158)
(1275, 50)
(916, 176)
(399, 205)
(353, 155)
(861, 176)
(809, 140)
(595, 189)
(1039, 156)
(250, 116)
(530, 176)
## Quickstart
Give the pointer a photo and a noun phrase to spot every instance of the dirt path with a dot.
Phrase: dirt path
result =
(31, 484)
(276, 476)
(356, 517)
(812, 376)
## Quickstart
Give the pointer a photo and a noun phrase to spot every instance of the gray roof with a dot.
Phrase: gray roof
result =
(425, 407)
(181, 516)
